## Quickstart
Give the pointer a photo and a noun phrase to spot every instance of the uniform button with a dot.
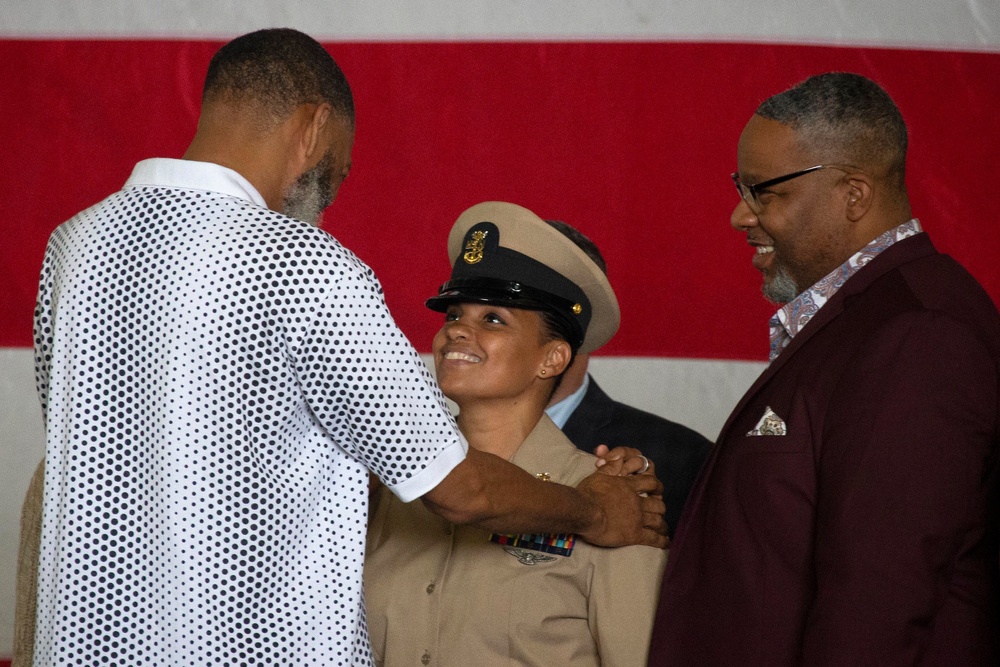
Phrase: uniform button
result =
(430, 588)
(425, 658)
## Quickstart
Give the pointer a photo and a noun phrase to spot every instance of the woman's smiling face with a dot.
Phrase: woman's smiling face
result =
(485, 351)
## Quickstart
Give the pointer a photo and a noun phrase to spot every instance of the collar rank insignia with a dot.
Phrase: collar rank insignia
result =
(527, 557)
(474, 248)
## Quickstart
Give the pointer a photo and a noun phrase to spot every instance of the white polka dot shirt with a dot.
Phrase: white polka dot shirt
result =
(216, 380)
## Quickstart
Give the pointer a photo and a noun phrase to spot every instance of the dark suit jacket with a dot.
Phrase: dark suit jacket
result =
(676, 451)
(868, 534)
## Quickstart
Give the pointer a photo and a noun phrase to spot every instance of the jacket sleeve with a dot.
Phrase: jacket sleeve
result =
(907, 440)
(622, 604)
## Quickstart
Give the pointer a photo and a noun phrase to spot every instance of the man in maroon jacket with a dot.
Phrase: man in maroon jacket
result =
(849, 513)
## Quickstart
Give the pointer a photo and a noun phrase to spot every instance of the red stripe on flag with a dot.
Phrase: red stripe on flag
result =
(632, 143)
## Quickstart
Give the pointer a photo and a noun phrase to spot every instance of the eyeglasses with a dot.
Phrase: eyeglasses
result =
(751, 193)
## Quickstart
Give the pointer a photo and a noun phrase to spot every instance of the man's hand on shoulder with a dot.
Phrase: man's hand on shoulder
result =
(623, 461)
(628, 510)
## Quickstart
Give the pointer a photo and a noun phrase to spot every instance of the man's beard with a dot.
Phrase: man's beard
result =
(311, 192)
(782, 288)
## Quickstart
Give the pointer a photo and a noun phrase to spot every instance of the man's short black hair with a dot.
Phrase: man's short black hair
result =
(582, 242)
(277, 70)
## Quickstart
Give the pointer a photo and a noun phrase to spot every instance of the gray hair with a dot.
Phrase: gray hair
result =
(848, 119)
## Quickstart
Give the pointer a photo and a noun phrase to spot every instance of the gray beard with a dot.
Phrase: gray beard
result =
(781, 289)
(310, 193)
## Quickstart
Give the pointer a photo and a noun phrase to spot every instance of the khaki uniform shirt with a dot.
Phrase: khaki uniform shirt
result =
(27, 570)
(445, 595)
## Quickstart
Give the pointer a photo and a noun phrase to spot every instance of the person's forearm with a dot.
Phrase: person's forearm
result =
(498, 496)
(493, 494)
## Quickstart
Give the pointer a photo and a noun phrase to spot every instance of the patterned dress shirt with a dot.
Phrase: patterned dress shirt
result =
(794, 315)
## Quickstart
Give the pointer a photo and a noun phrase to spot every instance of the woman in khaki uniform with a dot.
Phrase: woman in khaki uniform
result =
(522, 300)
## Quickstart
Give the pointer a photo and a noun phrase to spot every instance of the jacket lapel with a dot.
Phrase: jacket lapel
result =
(599, 405)
(892, 258)
(900, 253)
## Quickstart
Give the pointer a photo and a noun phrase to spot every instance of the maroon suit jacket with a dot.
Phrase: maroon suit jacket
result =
(868, 534)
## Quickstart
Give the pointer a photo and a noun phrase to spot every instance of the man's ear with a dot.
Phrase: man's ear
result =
(859, 196)
(312, 137)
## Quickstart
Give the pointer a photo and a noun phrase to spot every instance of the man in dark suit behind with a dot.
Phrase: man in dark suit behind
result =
(589, 417)
(849, 513)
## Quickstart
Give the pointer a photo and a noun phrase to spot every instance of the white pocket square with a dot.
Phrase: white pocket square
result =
(769, 424)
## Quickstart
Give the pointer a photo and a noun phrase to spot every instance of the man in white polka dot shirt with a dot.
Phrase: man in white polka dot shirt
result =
(218, 377)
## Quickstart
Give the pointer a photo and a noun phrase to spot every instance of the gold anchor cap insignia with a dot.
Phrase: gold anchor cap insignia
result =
(474, 248)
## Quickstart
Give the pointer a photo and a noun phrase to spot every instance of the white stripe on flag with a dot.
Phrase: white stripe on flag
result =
(947, 24)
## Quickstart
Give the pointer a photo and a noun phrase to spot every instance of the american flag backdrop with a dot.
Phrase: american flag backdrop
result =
(619, 118)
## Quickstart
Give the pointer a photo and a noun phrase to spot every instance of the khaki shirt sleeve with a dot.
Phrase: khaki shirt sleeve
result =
(27, 570)
(623, 599)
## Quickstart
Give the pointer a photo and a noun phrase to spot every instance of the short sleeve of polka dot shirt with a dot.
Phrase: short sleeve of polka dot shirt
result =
(216, 378)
